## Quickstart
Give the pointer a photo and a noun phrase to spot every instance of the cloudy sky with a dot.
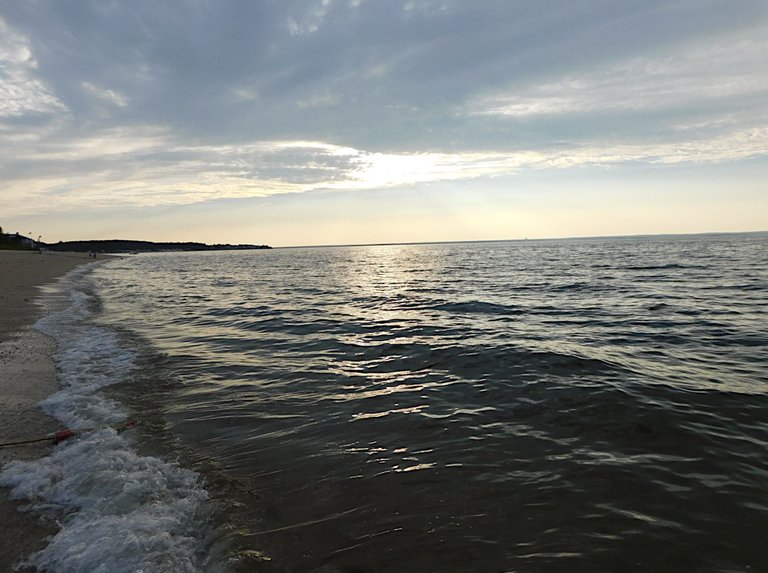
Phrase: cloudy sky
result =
(352, 121)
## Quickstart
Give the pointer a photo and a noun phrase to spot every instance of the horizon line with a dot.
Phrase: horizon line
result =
(522, 240)
(445, 242)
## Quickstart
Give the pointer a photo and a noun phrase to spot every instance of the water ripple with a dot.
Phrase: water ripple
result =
(533, 406)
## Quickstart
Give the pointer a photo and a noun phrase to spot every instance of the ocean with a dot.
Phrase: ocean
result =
(534, 406)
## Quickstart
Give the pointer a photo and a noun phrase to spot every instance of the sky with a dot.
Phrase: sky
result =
(305, 122)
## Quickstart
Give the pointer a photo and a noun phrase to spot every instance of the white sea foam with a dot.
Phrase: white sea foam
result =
(119, 511)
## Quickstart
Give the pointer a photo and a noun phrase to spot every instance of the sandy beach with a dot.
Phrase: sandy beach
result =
(27, 375)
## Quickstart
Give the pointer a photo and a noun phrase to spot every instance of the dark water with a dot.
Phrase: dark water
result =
(593, 405)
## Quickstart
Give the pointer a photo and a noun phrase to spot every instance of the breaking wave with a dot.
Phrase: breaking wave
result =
(119, 511)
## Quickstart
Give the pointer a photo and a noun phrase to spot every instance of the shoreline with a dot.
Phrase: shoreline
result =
(27, 375)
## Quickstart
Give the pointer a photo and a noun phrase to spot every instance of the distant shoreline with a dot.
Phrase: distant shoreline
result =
(128, 246)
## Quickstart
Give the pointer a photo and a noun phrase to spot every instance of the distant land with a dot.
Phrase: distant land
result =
(125, 246)
(15, 242)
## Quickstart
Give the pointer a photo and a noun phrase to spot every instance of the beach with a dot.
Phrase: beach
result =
(27, 375)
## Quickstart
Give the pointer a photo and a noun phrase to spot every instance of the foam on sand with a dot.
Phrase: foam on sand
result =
(118, 510)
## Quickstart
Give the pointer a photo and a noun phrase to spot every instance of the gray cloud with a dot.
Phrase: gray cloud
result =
(174, 96)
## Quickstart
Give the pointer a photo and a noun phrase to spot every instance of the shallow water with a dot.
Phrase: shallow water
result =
(582, 405)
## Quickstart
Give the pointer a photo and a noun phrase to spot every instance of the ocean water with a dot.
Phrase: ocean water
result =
(576, 405)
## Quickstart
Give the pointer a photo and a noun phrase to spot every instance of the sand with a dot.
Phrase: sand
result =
(27, 375)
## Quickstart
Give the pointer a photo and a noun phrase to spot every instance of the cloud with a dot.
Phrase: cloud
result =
(165, 103)
(179, 62)
(21, 94)
(142, 169)
(701, 76)
(106, 95)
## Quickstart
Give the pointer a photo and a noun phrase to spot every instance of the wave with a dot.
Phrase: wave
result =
(662, 267)
(119, 511)
(477, 306)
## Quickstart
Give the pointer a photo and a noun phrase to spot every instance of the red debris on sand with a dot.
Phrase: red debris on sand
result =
(62, 435)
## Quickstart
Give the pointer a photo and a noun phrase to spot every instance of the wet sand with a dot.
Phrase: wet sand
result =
(27, 375)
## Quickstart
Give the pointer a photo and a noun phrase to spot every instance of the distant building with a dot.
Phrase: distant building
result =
(26, 241)
(17, 240)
